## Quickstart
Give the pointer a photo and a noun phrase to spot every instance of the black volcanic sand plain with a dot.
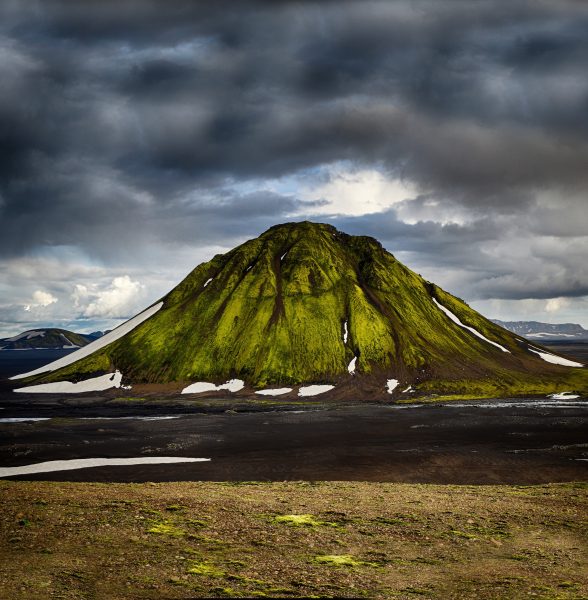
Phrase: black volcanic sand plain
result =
(484, 442)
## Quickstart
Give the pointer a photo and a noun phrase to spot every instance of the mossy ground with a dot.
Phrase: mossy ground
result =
(189, 540)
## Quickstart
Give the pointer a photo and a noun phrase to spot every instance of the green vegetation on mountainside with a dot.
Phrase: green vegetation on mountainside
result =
(273, 311)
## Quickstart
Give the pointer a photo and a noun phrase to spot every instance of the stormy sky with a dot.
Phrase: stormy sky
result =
(139, 138)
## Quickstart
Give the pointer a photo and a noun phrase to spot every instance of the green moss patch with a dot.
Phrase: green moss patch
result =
(166, 528)
(303, 521)
(342, 560)
(205, 570)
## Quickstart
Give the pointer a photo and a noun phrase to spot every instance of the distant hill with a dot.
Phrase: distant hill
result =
(545, 331)
(96, 334)
(36, 339)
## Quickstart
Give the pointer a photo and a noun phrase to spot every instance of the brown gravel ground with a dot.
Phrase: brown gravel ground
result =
(201, 539)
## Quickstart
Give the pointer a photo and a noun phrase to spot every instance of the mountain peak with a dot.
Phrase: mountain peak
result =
(307, 304)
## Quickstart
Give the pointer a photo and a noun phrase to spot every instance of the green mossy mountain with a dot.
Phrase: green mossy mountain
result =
(274, 311)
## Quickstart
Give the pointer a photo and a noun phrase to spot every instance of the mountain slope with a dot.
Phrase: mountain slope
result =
(305, 303)
(44, 338)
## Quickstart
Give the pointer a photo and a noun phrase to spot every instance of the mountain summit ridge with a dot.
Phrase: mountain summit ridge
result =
(306, 303)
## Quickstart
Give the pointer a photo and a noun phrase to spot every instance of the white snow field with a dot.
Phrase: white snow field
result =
(564, 396)
(233, 385)
(555, 360)
(547, 334)
(96, 345)
(274, 392)
(95, 384)
(69, 343)
(207, 281)
(408, 389)
(345, 332)
(26, 335)
(351, 366)
(314, 390)
(455, 319)
(85, 463)
(391, 385)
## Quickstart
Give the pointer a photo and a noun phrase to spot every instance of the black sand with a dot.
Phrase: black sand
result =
(447, 444)
(521, 442)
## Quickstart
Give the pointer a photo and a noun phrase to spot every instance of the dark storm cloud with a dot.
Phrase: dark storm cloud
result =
(138, 122)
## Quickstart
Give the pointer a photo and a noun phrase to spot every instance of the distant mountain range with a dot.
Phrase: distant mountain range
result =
(545, 331)
(45, 339)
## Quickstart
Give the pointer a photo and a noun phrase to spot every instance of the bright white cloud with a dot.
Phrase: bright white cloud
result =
(120, 299)
(554, 305)
(41, 299)
(357, 192)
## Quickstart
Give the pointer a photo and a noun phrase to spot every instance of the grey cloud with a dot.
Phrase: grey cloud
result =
(126, 124)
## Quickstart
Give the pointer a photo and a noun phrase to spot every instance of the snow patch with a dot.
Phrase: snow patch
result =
(314, 390)
(408, 389)
(391, 385)
(283, 256)
(29, 335)
(274, 392)
(69, 343)
(345, 332)
(564, 396)
(248, 268)
(552, 334)
(84, 463)
(207, 281)
(96, 345)
(351, 366)
(455, 319)
(95, 384)
(555, 360)
(233, 385)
